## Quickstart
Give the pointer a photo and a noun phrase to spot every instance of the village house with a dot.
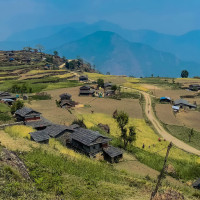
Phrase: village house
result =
(196, 184)
(27, 114)
(182, 103)
(92, 143)
(86, 91)
(83, 78)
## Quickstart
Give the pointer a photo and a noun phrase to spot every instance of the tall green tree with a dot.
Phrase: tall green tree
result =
(184, 74)
(55, 53)
(100, 82)
(16, 106)
(128, 135)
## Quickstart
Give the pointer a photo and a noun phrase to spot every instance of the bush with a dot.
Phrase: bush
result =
(80, 122)
(5, 117)
(16, 106)
(41, 96)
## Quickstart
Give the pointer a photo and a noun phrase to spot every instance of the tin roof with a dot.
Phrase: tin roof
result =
(112, 151)
(88, 137)
(25, 111)
(39, 136)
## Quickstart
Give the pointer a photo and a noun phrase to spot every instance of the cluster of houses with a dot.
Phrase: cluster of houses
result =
(88, 90)
(178, 104)
(88, 142)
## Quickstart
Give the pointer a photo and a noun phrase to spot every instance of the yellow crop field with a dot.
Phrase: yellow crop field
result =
(96, 76)
(19, 131)
(64, 75)
(33, 72)
(63, 150)
(144, 135)
(135, 86)
(132, 80)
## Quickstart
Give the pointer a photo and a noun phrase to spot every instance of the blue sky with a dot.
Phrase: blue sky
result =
(167, 16)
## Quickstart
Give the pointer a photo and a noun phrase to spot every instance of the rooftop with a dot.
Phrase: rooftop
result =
(112, 151)
(39, 123)
(88, 137)
(54, 130)
(39, 136)
(25, 111)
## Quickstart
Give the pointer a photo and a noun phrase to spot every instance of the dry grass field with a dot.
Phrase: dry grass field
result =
(165, 113)
(190, 119)
(174, 94)
(50, 110)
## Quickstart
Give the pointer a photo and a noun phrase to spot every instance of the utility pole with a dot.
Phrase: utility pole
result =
(160, 177)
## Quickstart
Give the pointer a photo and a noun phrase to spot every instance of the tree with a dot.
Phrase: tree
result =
(184, 74)
(40, 48)
(55, 53)
(191, 134)
(127, 135)
(108, 73)
(16, 106)
(27, 49)
(100, 82)
(114, 87)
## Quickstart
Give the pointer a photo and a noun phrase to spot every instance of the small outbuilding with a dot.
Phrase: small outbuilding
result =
(165, 100)
(112, 154)
(196, 184)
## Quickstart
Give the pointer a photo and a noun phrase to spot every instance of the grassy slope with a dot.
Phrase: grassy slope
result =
(60, 172)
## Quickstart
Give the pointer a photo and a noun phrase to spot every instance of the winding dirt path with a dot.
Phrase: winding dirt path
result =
(152, 118)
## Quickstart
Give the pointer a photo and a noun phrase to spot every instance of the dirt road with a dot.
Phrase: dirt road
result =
(152, 118)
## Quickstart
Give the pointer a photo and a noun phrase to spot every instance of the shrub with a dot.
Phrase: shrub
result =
(16, 106)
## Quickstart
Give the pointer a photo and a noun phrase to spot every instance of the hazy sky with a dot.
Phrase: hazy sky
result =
(167, 16)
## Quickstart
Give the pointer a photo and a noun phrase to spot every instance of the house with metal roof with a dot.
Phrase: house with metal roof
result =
(40, 137)
(56, 130)
(182, 103)
(88, 142)
(27, 114)
(196, 184)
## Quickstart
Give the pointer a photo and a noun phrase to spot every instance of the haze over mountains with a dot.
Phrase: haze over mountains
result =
(117, 50)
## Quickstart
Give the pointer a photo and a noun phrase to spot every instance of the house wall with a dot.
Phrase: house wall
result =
(81, 147)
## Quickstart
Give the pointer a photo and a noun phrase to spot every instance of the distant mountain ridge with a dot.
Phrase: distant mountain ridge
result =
(111, 53)
(186, 47)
